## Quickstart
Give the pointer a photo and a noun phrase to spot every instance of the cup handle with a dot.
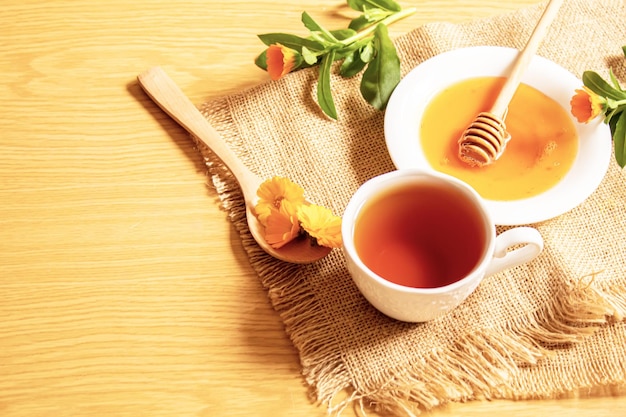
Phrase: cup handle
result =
(530, 242)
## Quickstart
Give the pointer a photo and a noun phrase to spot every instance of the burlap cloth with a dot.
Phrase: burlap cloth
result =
(540, 330)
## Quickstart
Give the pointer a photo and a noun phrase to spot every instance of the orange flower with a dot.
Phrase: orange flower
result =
(284, 213)
(280, 60)
(321, 224)
(586, 105)
(282, 225)
(277, 210)
(271, 194)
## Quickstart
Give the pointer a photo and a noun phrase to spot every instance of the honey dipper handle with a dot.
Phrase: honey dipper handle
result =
(525, 56)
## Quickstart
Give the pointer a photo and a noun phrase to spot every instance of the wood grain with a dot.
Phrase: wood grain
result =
(124, 290)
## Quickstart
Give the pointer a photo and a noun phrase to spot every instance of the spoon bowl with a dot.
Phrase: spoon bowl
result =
(170, 98)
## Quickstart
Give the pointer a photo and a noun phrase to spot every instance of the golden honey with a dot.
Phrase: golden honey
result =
(542, 149)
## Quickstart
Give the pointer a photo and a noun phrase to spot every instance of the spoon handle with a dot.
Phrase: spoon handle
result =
(170, 98)
(523, 60)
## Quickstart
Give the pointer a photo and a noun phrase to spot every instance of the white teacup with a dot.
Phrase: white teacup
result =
(418, 243)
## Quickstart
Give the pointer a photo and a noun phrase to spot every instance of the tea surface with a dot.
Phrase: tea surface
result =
(420, 235)
(543, 145)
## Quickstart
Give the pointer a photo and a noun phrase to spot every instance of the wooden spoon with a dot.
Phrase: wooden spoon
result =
(164, 92)
(485, 139)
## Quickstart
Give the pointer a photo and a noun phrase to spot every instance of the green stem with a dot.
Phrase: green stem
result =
(386, 21)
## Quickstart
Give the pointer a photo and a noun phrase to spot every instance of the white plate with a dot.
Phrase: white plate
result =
(419, 86)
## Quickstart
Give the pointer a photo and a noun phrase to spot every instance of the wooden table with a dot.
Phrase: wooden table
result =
(124, 290)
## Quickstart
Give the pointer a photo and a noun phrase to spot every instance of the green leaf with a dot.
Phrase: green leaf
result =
(390, 5)
(624, 50)
(619, 139)
(342, 34)
(290, 41)
(376, 15)
(615, 81)
(362, 5)
(314, 27)
(349, 49)
(367, 53)
(309, 57)
(324, 94)
(352, 65)
(354, 46)
(343, 53)
(261, 60)
(368, 18)
(382, 74)
(595, 83)
(609, 117)
(319, 37)
(356, 5)
(359, 23)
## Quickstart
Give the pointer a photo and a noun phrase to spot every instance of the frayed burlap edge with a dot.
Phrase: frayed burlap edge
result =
(482, 364)
(478, 365)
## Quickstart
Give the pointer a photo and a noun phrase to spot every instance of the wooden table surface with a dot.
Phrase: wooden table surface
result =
(124, 290)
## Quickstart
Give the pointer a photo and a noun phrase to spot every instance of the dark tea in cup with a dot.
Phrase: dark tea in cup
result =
(421, 234)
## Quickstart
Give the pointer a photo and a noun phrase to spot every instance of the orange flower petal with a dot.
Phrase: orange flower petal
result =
(585, 105)
(321, 224)
(282, 225)
(262, 211)
(280, 60)
(276, 189)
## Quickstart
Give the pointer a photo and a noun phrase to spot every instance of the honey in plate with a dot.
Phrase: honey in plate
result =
(542, 149)
(421, 235)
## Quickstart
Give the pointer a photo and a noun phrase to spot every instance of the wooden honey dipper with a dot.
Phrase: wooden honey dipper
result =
(485, 139)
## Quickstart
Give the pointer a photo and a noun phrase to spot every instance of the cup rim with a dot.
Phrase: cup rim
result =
(358, 200)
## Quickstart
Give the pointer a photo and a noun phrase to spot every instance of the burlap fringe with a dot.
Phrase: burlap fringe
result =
(479, 365)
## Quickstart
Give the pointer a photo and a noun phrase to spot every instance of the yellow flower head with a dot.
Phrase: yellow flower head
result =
(273, 192)
(284, 213)
(321, 224)
(276, 189)
(282, 225)
(280, 60)
(586, 105)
